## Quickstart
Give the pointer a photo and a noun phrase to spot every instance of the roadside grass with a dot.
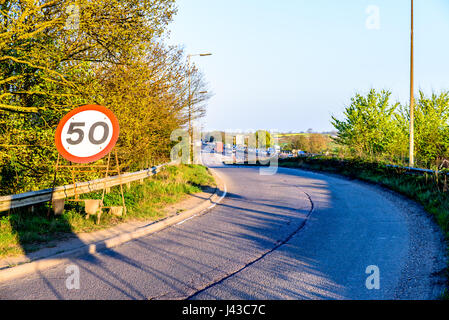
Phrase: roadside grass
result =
(23, 231)
(430, 190)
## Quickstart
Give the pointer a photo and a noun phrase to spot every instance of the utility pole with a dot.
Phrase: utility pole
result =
(190, 102)
(190, 114)
(412, 99)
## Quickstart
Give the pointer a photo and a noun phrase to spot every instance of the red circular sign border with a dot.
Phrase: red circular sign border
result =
(97, 156)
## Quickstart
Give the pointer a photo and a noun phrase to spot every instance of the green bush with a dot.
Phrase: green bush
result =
(374, 128)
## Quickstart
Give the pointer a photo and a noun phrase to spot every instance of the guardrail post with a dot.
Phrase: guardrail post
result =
(53, 185)
(58, 206)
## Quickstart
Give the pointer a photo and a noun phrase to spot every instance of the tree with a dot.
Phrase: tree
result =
(147, 111)
(260, 134)
(431, 127)
(46, 66)
(373, 126)
(370, 126)
(114, 56)
(300, 142)
(317, 143)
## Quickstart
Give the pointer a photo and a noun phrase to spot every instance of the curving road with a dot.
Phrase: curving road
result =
(294, 235)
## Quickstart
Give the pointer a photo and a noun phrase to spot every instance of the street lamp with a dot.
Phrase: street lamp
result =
(190, 100)
(412, 98)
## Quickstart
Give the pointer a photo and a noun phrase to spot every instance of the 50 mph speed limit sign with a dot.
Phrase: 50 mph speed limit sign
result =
(87, 134)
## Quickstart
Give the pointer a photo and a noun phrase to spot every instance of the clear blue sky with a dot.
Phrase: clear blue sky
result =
(291, 64)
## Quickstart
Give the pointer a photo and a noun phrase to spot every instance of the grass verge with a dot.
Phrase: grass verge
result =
(23, 231)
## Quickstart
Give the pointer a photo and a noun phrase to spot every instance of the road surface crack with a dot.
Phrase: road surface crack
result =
(277, 246)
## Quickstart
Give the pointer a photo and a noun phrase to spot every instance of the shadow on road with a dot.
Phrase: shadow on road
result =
(234, 241)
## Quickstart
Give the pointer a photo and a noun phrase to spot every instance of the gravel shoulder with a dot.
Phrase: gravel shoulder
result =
(427, 252)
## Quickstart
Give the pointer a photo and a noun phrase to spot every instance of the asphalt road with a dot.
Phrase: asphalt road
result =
(293, 235)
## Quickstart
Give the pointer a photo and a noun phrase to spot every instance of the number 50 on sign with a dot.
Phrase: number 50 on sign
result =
(87, 134)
